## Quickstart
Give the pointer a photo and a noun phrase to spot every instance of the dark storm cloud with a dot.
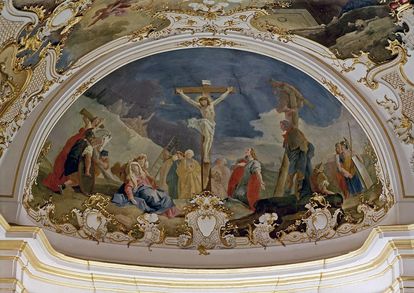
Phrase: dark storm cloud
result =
(149, 84)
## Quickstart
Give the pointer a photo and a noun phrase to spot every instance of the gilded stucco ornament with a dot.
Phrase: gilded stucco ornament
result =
(398, 108)
(392, 71)
(333, 88)
(32, 179)
(282, 34)
(206, 210)
(28, 61)
(34, 40)
(209, 16)
(37, 53)
(82, 88)
(206, 17)
(92, 222)
(200, 21)
(12, 82)
(320, 223)
(14, 114)
(375, 72)
(316, 224)
(208, 42)
(261, 232)
(207, 220)
(142, 33)
(207, 225)
(148, 226)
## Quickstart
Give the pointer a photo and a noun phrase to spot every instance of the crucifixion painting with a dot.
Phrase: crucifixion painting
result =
(266, 145)
(206, 124)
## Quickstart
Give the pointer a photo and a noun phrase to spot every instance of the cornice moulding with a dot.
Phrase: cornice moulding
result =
(385, 248)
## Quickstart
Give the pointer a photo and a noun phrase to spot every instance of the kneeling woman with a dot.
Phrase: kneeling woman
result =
(138, 190)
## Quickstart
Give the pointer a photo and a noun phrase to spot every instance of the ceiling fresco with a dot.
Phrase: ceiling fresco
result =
(207, 148)
(344, 26)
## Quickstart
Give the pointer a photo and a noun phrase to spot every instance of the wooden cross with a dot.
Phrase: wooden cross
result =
(205, 88)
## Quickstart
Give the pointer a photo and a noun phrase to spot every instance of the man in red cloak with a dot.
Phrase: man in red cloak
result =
(54, 180)
(246, 180)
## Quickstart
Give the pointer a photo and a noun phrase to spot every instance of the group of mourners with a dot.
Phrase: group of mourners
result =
(179, 178)
(180, 175)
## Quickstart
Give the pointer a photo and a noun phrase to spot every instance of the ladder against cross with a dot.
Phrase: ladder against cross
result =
(205, 88)
(170, 147)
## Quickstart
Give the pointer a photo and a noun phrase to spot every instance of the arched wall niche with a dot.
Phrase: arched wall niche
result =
(117, 54)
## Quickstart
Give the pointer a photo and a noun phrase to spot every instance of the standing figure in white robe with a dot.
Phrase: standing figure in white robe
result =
(207, 124)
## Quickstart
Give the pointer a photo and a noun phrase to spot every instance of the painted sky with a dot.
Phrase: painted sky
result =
(148, 85)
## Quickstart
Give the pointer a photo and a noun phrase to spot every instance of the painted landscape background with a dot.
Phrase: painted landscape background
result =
(143, 114)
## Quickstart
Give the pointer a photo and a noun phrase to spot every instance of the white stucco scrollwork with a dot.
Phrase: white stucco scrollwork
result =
(313, 59)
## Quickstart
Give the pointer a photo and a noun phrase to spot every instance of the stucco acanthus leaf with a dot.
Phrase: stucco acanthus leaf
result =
(206, 224)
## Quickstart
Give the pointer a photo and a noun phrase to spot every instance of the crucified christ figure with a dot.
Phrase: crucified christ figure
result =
(207, 124)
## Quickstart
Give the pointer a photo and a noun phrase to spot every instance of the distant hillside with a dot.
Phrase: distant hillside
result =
(125, 144)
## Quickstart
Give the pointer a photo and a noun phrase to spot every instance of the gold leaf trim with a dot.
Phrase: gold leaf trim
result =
(208, 42)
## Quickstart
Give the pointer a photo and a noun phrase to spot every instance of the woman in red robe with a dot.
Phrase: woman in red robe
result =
(57, 177)
(246, 180)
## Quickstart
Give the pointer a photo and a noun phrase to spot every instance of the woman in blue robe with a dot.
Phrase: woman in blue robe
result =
(137, 190)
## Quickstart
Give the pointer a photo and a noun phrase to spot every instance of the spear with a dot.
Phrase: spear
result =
(350, 137)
